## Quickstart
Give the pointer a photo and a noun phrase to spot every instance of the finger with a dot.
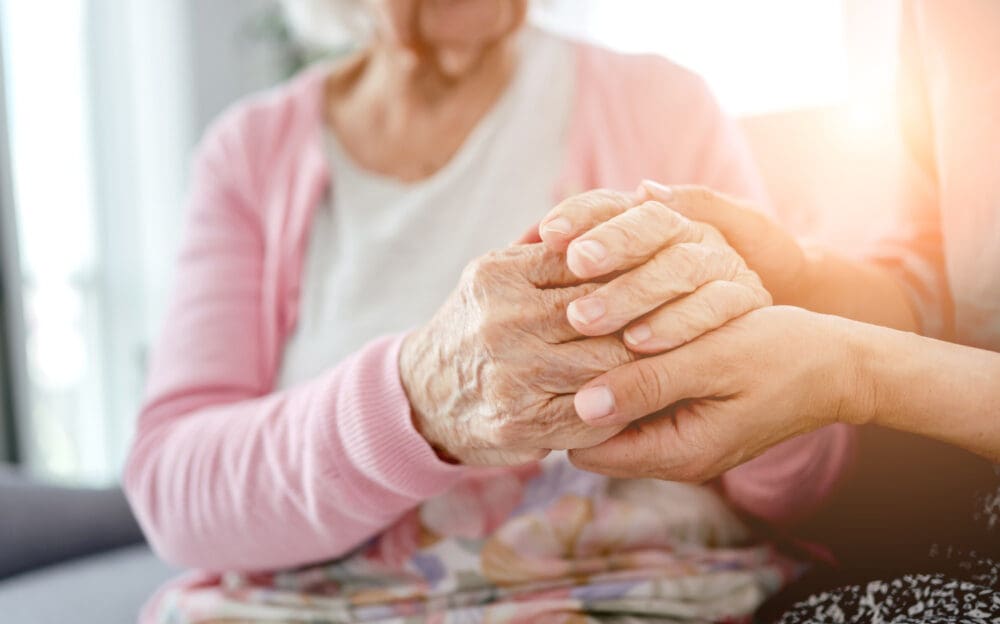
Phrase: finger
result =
(711, 306)
(631, 454)
(558, 427)
(648, 385)
(564, 368)
(502, 457)
(579, 213)
(685, 446)
(672, 273)
(541, 266)
(537, 264)
(739, 221)
(629, 239)
(546, 318)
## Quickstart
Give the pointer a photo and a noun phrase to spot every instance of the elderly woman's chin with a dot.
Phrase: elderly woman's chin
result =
(455, 34)
(466, 23)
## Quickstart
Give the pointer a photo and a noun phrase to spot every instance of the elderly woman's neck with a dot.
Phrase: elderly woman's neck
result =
(432, 78)
(405, 116)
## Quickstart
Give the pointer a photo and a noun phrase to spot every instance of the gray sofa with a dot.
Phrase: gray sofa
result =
(71, 555)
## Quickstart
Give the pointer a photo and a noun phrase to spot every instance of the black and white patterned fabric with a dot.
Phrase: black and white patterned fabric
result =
(966, 590)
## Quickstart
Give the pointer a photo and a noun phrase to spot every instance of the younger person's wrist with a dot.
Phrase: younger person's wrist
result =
(860, 390)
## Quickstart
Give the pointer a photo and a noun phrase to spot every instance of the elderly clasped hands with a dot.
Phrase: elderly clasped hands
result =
(492, 379)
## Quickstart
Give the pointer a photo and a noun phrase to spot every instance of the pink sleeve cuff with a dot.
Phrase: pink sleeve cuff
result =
(375, 426)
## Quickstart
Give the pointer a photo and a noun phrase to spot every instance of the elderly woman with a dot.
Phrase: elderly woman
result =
(780, 371)
(292, 419)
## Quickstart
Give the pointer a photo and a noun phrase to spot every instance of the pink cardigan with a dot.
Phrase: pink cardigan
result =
(227, 474)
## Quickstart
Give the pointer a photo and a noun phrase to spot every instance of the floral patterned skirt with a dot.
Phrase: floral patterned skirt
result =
(547, 543)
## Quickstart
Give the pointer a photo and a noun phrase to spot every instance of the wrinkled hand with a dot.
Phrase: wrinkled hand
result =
(491, 378)
(679, 278)
(724, 398)
(767, 248)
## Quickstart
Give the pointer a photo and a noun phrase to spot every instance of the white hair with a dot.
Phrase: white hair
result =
(324, 25)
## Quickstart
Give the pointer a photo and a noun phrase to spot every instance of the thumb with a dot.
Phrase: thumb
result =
(648, 385)
(688, 447)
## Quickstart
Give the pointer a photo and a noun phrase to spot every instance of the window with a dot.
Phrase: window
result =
(761, 56)
(100, 134)
(50, 155)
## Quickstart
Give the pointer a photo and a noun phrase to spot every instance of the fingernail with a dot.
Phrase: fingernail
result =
(591, 250)
(638, 334)
(559, 225)
(586, 311)
(660, 191)
(594, 403)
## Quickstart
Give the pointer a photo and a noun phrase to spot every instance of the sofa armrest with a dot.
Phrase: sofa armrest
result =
(43, 524)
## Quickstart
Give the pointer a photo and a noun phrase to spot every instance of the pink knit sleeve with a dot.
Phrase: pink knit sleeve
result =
(225, 474)
(792, 479)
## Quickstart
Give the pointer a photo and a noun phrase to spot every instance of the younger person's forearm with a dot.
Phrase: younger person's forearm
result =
(932, 388)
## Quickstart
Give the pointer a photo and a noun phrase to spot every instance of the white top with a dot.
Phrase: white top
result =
(383, 255)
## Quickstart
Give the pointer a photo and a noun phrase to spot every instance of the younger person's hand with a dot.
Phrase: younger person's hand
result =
(724, 398)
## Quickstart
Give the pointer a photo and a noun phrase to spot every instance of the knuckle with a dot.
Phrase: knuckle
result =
(662, 224)
(727, 300)
(621, 234)
(537, 366)
(628, 291)
(474, 270)
(534, 455)
(603, 354)
(687, 262)
(502, 388)
(666, 220)
(762, 297)
(648, 385)
(505, 435)
(718, 262)
(589, 202)
(495, 337)
(747, 299)
(734, 262)
(690, 321)
(721, 259)
(709, 233)
(554, 301)
(748, 294)
(487, 268)
(604, 197)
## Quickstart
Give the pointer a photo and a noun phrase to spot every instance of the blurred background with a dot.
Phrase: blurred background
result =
(103, 101)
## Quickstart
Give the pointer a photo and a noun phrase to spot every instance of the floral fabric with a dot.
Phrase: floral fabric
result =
(543, 543)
